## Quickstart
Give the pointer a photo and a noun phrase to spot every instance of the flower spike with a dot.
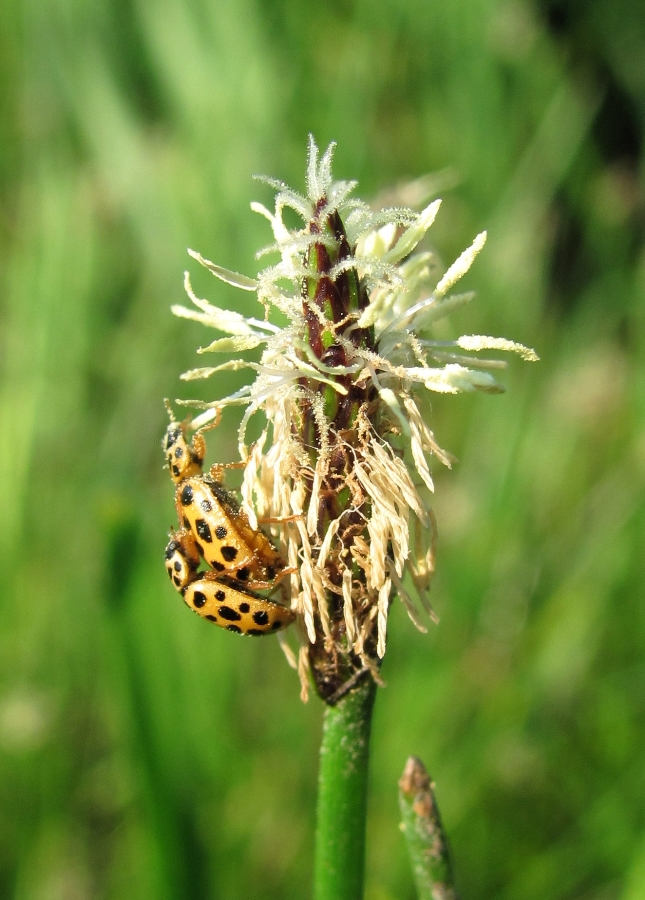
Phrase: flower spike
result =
(344, 458)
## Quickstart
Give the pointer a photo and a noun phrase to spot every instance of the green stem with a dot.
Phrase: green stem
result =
(342, 796)
(427, 844)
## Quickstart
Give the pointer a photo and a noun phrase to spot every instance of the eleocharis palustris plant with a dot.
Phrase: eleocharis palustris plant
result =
(342, 458)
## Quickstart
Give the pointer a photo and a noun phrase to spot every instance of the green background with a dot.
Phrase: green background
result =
(146, 755)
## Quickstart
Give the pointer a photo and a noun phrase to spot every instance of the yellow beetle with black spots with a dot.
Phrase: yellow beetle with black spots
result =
(215, 529)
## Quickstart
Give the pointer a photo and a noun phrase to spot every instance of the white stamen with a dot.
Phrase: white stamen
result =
(348, 610)
(460, 266)
(383, 607)
(234, 278)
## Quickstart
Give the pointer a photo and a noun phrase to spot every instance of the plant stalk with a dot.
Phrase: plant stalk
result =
(424, 834)
(339, 864)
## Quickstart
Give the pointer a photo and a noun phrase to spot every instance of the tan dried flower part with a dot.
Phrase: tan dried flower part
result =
(344, 452)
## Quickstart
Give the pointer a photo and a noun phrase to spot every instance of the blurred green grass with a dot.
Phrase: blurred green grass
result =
(143, 754)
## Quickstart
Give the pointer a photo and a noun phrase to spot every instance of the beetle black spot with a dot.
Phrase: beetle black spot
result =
(243, 574)
(255, 631)
(176, 579)
(175, 470)
(244, 607)
(179, 452)
(221, 532)
(218, 566)
(203, 530)
(186, 524)
(186, 495)
(220, 595)
(170, 549)
(222, 495)
(170, 572)
(260, 617)
(234, 628)
(207, 506)
(171, 437)
(230, 614)
(211, 618)
(199, 599)
(276, 624)
(177, 566)
(229, 553)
